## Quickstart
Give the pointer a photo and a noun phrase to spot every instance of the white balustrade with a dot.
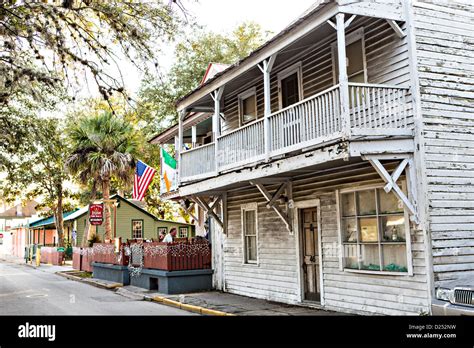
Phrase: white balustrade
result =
(373, 109)
(379, 106)
(303, 123)
(198, 162)
(243, 145)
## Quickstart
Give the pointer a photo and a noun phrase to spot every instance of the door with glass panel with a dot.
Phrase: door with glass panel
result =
(310, 244)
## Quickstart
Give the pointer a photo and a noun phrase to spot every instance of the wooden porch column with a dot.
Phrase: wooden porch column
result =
(179, 149)
(266, 69)
(194, 136)
(343, 80)
(216, 131)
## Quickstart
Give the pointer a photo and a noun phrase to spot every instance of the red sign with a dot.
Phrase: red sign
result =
(1, 235)
(96, 214)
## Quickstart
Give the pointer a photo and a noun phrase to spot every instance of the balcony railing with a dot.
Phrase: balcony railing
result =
(198, 162)
(373, 110)
(243, 145)
(378, 107)
(302, 124)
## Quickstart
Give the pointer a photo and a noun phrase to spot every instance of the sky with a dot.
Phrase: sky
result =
(225, 15)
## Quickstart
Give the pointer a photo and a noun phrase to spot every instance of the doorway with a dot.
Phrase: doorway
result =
(310, 248)
(290, 90)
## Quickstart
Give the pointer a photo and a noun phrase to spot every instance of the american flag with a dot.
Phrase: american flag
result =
(143, 176)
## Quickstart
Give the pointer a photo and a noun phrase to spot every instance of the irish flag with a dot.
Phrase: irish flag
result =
(168, 172)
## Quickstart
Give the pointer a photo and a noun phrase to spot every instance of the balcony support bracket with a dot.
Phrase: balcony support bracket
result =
(210, 209)
(272, 201)
(189, 210)
(406, 164)
(396, 28)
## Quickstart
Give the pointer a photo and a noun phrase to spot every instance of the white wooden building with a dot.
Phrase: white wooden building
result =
(340, 183)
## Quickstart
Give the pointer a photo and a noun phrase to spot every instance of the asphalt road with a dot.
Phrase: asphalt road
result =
(27, 291)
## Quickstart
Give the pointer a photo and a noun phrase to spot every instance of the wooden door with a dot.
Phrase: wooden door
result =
(290, 95)
(310, 243)
(290, 91)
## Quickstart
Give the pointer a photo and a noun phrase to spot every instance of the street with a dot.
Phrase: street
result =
(27, 291)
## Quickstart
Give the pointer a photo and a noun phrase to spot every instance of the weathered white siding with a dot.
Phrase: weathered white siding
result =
(445, 49)
(276, 276)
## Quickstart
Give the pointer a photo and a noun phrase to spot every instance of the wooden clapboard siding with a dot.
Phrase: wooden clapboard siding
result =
(356, 292)
(81, 225)
(276, 276)
(126, 212)
(386, 58)
(445, 46)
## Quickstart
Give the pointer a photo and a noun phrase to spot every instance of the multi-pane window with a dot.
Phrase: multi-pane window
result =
(374, 231)
(249, 228)
(248, 106)
(137, 229)
(183, 232)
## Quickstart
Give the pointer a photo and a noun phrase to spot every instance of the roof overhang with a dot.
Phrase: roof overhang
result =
(312, 19)
(194, 118)
(317, 16)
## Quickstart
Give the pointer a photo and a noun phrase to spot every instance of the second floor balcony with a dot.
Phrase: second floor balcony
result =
(343, 79)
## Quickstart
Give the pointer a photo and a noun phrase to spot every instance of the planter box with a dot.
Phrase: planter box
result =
(176, 282)
(87, 259)
(104, 253)
(51, 255)
(177, 256)
(76, 258)
(114, 273)
(82, 259)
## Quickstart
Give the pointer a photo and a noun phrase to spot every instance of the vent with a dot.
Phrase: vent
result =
(464, 297)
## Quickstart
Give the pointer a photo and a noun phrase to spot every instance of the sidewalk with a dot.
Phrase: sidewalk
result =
(225, 302)
(207, 303)
(42, 267)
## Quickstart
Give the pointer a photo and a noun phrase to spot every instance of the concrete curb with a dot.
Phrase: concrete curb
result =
(87, 281)
(190, 308)
(159, 299)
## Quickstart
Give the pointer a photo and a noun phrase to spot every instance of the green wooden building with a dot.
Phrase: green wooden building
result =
(129, 221)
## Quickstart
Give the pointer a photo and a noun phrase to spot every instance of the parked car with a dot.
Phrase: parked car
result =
(455, 297)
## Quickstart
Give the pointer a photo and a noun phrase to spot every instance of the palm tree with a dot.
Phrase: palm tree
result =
(104, 146)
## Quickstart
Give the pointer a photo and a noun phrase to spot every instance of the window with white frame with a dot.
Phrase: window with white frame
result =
(248, 106)
(375, 231)
(250, 231)
(137, 229)
(183, 232)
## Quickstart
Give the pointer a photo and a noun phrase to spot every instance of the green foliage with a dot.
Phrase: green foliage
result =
(95, 239)
(37, 169)
(163, 209)
(49, 44)
(192, 57)
(103, 146)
